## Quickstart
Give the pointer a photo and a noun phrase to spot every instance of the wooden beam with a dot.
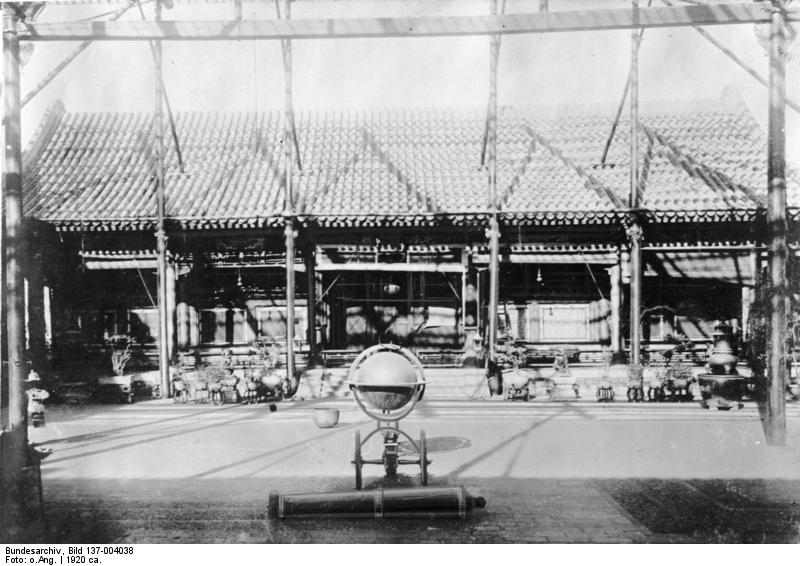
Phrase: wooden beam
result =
(393, 267)
(15, 437)
(288, 189)
(733, 57)
(635, 231)
(493, 231)
(161, 235)
(621, 106)
(342, 28)
(69, 59)
(775, 421)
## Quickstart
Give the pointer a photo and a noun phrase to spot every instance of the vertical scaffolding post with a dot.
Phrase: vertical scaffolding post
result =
(775, 429)
(494, 228)
(635, 229)
(161, 235)
(15, 439)
(289, 231)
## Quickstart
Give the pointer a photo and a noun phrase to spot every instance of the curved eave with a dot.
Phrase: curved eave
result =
(720, 215)
(394, 220)
(560, 218)
(468, 219)
(143, 224)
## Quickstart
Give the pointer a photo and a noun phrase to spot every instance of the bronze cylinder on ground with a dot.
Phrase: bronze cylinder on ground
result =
(430, 502)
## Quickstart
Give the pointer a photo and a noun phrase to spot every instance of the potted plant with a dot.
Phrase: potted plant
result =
(119, 386)
(120, 353)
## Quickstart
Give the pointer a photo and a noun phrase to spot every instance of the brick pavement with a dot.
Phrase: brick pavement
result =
(551, 473)
(517, 511)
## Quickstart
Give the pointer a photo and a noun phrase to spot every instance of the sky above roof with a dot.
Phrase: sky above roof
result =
(585, 67)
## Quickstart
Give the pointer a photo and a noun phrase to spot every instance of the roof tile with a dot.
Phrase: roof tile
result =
(395, 163)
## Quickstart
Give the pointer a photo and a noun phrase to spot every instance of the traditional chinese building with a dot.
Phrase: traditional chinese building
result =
(391, 218)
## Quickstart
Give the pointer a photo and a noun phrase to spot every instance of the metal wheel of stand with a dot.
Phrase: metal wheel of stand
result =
(357, 462)
(390, 465)
(423, 458)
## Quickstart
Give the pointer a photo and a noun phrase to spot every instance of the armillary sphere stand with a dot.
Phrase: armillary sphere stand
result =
(387, 383)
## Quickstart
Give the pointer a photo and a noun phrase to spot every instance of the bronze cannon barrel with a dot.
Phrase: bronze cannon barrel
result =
(430, 502)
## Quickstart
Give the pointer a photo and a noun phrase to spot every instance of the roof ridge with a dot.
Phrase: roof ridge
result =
(43, 133)
(595, 108)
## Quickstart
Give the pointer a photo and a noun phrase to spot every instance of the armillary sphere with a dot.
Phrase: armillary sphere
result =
(387, 382)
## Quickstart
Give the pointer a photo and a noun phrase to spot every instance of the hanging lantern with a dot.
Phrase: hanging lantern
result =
(391, 289)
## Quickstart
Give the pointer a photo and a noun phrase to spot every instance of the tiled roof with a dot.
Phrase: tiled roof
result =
(399, 167)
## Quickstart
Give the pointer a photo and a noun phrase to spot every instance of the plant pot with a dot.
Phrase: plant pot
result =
(516, 379)
(326, 417)
(271, 381)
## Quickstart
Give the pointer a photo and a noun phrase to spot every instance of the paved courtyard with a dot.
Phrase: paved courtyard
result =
(550, 472)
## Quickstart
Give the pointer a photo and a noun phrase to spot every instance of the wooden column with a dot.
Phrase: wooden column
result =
(747, 296)
(480, 324)
(635, 229)
(464, 270)
(184, 335)
(161, 235)
(493, 232)
(615, 277)
(3, 335)
(15, 438)
(289, 230)
(470, 305)
(170, 301)
(47, 301)
(35, 320)
(290, 235)
(183, 321)
(775, 424)
(310, 258)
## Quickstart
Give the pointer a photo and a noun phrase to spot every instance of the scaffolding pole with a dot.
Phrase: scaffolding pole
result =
(775, 425)
(733, 57)
(494, 229)
(69, 59)
(15, 438)
(289, 231)
(635, 229)
(161, 235)
(443, 26)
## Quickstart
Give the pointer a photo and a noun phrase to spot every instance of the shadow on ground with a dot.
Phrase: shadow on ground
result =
(721, 511)
(517, 511)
